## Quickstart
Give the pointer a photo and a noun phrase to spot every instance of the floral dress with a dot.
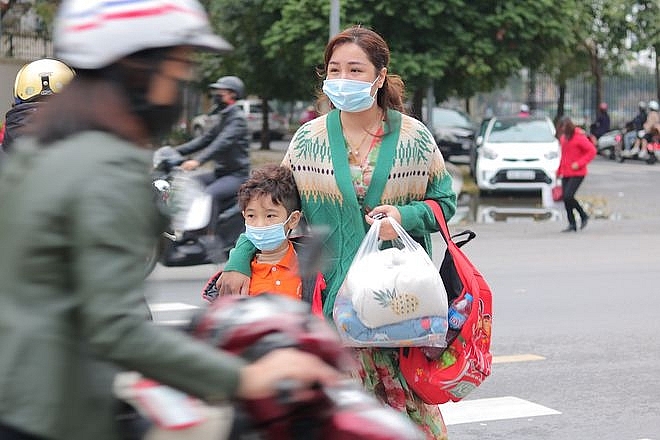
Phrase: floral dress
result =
(379, 367)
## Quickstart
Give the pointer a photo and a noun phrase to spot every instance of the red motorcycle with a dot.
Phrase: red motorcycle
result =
(251, 327)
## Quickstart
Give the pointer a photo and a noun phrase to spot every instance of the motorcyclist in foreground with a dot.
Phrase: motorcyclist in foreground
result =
(78, 220)
(226, 143)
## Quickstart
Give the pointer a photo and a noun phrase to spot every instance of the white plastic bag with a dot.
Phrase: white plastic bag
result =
(392, 297)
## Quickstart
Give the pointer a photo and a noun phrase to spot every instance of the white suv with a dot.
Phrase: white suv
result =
(517, 153)
(277, 124)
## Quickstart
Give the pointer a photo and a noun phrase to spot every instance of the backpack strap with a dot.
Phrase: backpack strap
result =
(444, 229)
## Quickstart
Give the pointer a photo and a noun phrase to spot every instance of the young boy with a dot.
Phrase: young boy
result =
(270, 204)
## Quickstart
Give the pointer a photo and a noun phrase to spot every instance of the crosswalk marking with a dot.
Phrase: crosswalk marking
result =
(171, 307)
(497, 408)
(517, 358)
(174, 322)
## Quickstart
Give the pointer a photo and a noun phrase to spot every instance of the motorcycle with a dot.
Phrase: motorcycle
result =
(251, 327)
(194, 237)
(650, 153)
(606, 144)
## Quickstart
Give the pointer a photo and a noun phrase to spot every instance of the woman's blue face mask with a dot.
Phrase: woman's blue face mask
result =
(349, 95)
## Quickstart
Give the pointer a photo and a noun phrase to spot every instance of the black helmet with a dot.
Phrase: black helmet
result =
(232, 83)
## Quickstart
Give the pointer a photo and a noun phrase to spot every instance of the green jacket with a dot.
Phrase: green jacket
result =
(77, 220)
(409, 169)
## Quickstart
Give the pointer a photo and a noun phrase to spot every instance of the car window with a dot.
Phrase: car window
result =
(483, 127)
(443, 117)
(517, 130)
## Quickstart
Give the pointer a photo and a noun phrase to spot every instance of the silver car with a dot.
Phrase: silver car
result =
(252, 108)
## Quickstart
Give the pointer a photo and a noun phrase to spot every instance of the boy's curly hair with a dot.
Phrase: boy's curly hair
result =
(273, 180)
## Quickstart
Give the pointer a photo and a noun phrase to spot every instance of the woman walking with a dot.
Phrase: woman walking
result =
(576, 152)
(365, 157)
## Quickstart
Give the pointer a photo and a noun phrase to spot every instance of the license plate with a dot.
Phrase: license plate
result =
(520, 175)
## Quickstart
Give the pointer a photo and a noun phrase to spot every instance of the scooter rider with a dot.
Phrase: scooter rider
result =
(634, 127)
(35, 82)
(78, 221)
(227, 144)
(652, 123)
(602, 123)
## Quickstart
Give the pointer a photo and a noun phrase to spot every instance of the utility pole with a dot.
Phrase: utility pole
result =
(334, 17)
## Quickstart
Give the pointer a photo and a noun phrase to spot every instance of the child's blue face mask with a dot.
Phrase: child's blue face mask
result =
(349, 95)
(267, 238)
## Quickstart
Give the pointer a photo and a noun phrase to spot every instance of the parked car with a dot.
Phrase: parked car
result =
(516, 153)
(453, 130)
(252, 108)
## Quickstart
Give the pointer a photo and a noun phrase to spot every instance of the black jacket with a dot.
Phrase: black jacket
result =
(227, 143)
(15, 119)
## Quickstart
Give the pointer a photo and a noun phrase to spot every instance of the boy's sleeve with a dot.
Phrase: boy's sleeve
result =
(241, 256)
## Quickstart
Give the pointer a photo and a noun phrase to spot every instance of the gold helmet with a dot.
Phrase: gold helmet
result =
(41, 78)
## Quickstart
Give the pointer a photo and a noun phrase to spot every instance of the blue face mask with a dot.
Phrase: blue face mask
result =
(349, 95)
(267, 238)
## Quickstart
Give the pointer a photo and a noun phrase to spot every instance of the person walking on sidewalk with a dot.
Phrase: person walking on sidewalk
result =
(576, 152)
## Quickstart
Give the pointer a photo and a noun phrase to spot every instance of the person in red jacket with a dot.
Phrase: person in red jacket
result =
(576, 152)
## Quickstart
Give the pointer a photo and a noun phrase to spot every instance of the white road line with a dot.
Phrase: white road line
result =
(497, 408)
(517, 358)
(173, 322)
(171, 307)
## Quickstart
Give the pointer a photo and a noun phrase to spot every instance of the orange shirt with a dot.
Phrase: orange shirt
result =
(281, 278)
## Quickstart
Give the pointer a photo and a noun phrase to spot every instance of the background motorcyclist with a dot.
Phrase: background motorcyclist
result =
(651, 125)
(634, 127)
(34, 83)
(602, 123)
(227, 144)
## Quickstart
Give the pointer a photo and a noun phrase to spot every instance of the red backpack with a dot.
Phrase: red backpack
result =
(466, 362)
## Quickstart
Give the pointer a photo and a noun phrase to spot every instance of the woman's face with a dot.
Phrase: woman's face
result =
(349, 61)
(175, 69)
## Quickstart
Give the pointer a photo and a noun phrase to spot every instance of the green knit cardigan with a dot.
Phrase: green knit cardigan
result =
(409, 169)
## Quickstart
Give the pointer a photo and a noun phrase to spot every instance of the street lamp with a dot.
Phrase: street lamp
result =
(334, 17)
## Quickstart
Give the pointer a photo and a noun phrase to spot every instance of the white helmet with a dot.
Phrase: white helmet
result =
(653, 105)
(91, 34)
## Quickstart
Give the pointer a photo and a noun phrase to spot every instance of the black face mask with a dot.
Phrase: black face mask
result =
(158, 119)
(219, 103)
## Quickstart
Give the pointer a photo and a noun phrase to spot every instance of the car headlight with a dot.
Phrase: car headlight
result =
(551, 154)
(488, 153)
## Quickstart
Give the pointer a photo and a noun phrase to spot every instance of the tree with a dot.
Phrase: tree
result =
(269, 71)
(461, 47)
(644, 26)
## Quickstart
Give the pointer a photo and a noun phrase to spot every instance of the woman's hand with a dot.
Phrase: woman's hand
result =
(233, 283)
(261, 378)
(387, 232)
